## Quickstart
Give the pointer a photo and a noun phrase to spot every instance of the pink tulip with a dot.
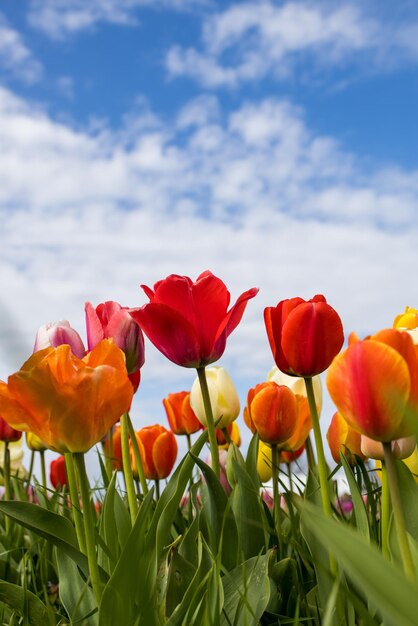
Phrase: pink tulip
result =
(58, 333)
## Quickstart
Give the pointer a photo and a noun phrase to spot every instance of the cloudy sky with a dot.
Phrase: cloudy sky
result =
(271, 142)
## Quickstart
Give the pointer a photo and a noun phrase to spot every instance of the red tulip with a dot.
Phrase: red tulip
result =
(58, 473)
(180, 415)
(7, 433)
(304, 336)
(111, 320)
(189, 322)
(374, 385)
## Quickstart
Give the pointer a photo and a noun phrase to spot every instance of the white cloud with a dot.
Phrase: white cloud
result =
(255, 196)
(15, 58)
(250, 40)
(57, 20)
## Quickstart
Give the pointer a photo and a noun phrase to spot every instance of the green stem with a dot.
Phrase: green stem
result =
(157, 489)
(137, 455)
(310, 454)
(89, 526)
(7, 485)
(75, 501)
(108, 454)
(385, 512)
(189, 441)
(289, 474)
(398, 512)
(322, 466)
(43, 470)
(127, 468)
(31, 463)
(210, 421)
(276, 495)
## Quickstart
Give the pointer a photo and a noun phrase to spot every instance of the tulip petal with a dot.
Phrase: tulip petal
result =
(94, 327)
(164, 454)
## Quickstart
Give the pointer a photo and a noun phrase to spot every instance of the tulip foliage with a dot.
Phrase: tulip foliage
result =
(250, 525)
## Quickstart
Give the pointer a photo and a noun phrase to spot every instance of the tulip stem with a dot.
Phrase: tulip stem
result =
(43, 469)
(75, 501)
(6, 473)
(210, 421)
(398, 512)
(89, 526)
(127, 468)
(276, 495)
(385, 512)
(137, 455)
(310, 454)
(322, 466)
(30, 471)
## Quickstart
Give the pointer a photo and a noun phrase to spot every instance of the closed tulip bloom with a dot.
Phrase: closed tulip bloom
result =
(7, 433)
(35, 443)
(304, 336)
(58, 473)
(180, 415)
(223, 398)
(189, 322)
(55, 334)
(374, 385)
(343, 438)
(158, 448)
(110, 320)
(272, 412)
(67, 402)
(264, 462)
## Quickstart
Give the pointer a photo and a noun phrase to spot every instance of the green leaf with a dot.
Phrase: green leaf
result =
(246, 592)
(383, 583)
(362, 520)
(17, 598)
(51, 526)
(75, 594)
(251, 460)
(409, 496)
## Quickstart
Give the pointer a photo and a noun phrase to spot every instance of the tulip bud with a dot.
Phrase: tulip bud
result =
(57, 334)
(7, 433)
(158, 448)
(272, 411)
(223, 398)
(264, 462)
(58, 472)
(180, 414)
(35, 443)
(343, 438)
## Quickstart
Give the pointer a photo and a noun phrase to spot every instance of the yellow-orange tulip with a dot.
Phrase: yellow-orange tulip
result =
(69, 403)
(180, 415)
(158, 448)
(272, 412)
(408, 321)
(343, 438)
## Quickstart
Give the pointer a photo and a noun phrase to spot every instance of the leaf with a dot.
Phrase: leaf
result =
(362, 520)
(409, 497)
(383, 583)
(17, 598)
(246, 592)
(75, 594)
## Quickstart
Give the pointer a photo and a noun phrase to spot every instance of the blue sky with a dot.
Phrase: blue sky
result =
(271, 142)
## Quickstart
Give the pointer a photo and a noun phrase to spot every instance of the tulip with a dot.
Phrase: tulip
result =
(304, 336)
(67, 402)
(374, 384)
(7, 433)
(56, 334)
(264, 462)
(272, 412)
(224, 398)
(288, 456)
(58, 473)
(343, 438)
(189, 322)
(34, 443)
(158, 449)
(111, 320)
(408, 321)
(233, 433)
(181, 417)
(297, 384)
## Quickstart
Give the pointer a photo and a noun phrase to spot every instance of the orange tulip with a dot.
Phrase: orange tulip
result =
(303, 425)
(233, 433)
(343, 438)
(69, 403)
(288, 456)
(374, 384)
(158, 448)
(180, 415)
(272, 412)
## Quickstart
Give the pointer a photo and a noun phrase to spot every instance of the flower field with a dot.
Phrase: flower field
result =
(232, 539)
